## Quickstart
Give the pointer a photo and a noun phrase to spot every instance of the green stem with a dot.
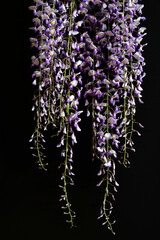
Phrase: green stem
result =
(108, 78)
(107, 186)
(105, 201)
(125, 120)
(50, 87)
(38, 117)
(67, 124)
(38, 124)
(108, 170)
(65, 169)
(68, 49)
(37, 135)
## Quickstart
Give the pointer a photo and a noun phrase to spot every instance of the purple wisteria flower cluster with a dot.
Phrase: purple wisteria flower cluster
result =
(89, 49)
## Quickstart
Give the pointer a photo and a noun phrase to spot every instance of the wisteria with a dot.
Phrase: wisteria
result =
(90, 49)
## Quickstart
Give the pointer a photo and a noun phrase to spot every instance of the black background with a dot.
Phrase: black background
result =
(31, 208)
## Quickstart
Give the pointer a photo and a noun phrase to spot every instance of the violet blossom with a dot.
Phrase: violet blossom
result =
(94, 46)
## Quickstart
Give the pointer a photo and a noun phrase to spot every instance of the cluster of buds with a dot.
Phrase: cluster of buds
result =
(92, 46)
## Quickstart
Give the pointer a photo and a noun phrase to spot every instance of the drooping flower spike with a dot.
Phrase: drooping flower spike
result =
(92, 46)
(59, 82)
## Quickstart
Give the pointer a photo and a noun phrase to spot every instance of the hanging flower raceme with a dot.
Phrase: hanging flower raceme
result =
(59, 83)
(93, 45)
